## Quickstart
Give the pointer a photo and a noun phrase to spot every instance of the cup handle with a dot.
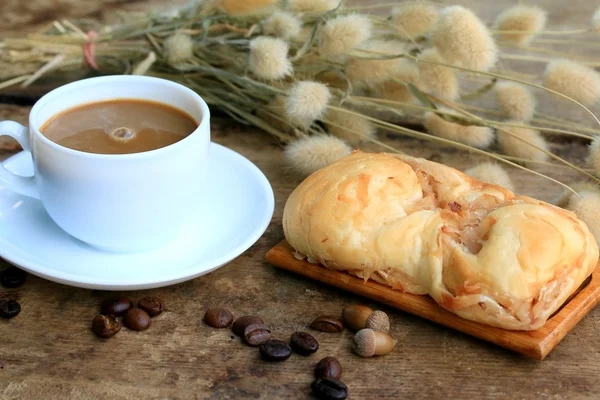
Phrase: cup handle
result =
(19, 184)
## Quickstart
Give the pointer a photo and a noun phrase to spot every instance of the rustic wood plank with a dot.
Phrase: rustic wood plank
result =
(49, 351)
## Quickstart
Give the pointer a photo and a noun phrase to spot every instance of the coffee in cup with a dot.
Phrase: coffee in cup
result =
(120, 126)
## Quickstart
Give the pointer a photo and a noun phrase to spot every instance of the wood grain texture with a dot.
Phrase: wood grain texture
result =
(535, 344)
(49, 351)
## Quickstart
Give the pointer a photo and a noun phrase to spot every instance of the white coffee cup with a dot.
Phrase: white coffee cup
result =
(115, 202)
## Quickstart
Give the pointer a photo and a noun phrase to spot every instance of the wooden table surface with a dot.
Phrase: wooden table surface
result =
(49, 351)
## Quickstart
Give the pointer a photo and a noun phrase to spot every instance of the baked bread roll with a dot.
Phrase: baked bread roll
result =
(421, 227)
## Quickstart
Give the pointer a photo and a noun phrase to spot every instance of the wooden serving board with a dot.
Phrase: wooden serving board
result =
(535, 344)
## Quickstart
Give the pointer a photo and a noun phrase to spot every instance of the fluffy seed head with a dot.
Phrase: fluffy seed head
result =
(582, 186)
(413, 20)
(283, 24)
(472, 135)
(312, 153)
(491, 173)
(515, 100)
(344, 33)
(587, 208)
(268, 58)
(596, 21)
(517, 148)
(274, 114)
(179, 47)
(573, 79)
(353, 128)
(396, 88)
(312, 6)
(437, 79)
(246, 7)
(306, 102)
(463, 40)
(373, 71)
(593, 158)
(527, 20)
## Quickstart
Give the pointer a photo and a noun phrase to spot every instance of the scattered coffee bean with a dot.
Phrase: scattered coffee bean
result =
(152, 305)
(327, 324)
(12, 277)
(275, 350)
(137, 319)
(106, 326)
(242, 323)
(329, 389)
(257, 334)
(116, 305)
(328, 367)
(304, 343)
(9, 309)
(218, 318)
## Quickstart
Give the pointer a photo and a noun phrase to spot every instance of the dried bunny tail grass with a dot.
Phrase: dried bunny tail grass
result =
(593, 159)
(574, 80)
(311, 153)
(373, 71)
(283, 24)
(518, 148)
(463, 40)
(580, 187)
(437, 79)
(274, 114)
(245, 7)
(306, 101)
(473, 135)
(179, 47)
(353, 128)
(413, 20)
(492, 173)
(516, 101)
(587, 207)
(268, 58)
(343, 34)
(312, 6)
(527, 20)
(596, 21)
(396, 88)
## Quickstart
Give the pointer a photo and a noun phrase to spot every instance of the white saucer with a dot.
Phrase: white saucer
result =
(236, 211)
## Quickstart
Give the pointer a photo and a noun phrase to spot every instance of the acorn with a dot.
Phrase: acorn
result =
(357, 317)
(369, 343)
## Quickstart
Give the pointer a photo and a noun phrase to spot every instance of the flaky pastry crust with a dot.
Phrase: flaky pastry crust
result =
(421, 227)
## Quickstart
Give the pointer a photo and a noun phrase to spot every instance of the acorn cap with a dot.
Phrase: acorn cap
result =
(364, 342)
(378, 321)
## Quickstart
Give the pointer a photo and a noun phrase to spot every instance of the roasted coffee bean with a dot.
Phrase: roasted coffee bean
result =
(257, 334)
(242, 323)
(12, 277)
(116, 305)
(328, 367)
(329, 389)
(137, 319)
(218, 318)
(152, 305)
(304, 343)
(9, 309)
(275, 350)
(106, 326)
(327, 324)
